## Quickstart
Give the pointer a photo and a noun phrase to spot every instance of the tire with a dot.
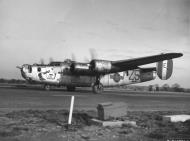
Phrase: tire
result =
(47, 87)
(71, 88)
(97, 88)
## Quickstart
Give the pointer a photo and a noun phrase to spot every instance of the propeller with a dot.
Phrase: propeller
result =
(73, 57)
(93, 53)
(42, 61)
(51, 59)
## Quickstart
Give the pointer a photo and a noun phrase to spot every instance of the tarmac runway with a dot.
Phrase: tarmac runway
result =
(38, 99)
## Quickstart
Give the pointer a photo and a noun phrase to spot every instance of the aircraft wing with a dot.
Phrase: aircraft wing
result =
(102, 67)
(135, 62)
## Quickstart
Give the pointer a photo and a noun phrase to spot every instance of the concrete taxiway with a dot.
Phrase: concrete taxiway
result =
(20, 99)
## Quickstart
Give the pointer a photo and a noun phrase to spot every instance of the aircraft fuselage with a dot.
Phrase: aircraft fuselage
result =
(60, 75)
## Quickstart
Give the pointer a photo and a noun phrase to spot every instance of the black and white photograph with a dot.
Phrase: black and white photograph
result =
(94, 70)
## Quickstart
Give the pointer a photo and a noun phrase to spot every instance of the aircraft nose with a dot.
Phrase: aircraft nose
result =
(23, 73)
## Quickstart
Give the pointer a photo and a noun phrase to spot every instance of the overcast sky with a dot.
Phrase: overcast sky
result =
(116, 29)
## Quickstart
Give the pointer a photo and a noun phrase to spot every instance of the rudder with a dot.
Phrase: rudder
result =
(165, 69)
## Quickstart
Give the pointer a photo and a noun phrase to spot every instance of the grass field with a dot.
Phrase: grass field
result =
(35, 125)
(33, 114)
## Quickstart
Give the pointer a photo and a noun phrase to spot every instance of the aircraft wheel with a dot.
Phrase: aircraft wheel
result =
(47, 87)
(71, 88)
(97, 88)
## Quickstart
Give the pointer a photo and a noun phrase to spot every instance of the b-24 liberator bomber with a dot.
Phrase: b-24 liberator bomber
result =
(99, 73)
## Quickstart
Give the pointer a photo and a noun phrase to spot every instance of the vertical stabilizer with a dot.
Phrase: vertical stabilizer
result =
(165, 69)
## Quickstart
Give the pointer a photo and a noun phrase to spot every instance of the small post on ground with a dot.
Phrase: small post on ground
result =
(71, 110)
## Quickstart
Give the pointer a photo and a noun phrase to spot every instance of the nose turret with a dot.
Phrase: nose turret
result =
(23, 73)
(24, 70)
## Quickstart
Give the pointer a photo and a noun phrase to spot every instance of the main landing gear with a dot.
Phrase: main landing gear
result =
(97, 87)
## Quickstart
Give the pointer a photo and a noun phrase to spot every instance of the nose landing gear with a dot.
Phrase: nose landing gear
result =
(47, 87)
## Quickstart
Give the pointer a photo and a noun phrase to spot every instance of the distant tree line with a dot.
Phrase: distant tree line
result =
(14, 81)
(166, 87)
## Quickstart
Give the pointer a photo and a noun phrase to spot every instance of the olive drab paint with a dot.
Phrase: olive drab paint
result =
(165, 69)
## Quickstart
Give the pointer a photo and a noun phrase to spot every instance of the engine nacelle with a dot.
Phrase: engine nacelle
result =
(100, 66)
(165, 69)
(147, 74)
(80, 68)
